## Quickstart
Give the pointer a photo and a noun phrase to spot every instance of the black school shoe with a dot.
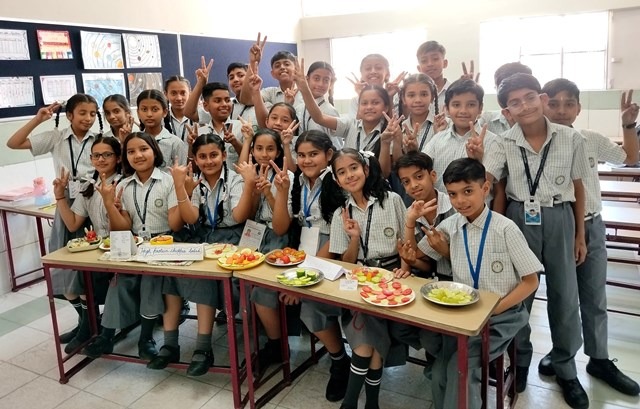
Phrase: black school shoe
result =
(338, 379)
(522, 373)
(573, 393)
(545, 367)
(198, 368)
(69, 335)
(102, 345)
(606, 370)
(162, 360)
(147, 349)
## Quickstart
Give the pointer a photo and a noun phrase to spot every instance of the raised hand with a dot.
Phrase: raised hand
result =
(45, 113)
(440, 123)
(179, 174)
(410, 139)
(628, 109)
(282, 176)
(290, 95)
(247, 129)
(287, 134)
(393, 129)
(468, 75)
(202, 73)
(60, 184)
(475, 144)
(191, 182)
(351, 226)
(255, 82)
(108, 192)
(229, 136)
(256, 50)
(406, 252)
(246, 170)
(262, 182)
(437, 240)
(118, 200)
(126, 128)
(192, 134)
(393, 87)
(358, 84)
(298, 75)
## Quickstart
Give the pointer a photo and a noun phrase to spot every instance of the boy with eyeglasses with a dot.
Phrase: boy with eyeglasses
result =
(544, 164)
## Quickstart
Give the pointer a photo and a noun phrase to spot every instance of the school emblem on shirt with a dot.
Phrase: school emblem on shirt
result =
(225, 213)
(592, 162)
(497, 266)
(158, 202)
(388, 232)
(560, 180)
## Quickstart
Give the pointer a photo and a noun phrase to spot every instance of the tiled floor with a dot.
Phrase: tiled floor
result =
(28, 371)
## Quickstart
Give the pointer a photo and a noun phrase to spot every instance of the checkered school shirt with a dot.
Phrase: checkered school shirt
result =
(93, 208)
(422, 138)
(447, 146)
(506, 258)
(315, 213)
(387, 226)
(236, 130)
(229, 198)
(273, 95)
(56, 142)
(566, 162)
(349, 127)
(598, 148)
(161, 199)
(306, 123)
(264, 213)
(496, 122)
(172, 148)
(444, 210)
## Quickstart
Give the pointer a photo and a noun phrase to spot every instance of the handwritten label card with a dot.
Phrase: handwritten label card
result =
(170, 252)
(348, 285)
(330, 270)
(123, 246)
(252, 235)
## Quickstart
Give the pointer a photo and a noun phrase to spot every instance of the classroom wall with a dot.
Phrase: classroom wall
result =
(212, 18)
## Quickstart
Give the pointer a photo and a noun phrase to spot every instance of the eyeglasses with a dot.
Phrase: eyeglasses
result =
(518, 104)
(105, 155)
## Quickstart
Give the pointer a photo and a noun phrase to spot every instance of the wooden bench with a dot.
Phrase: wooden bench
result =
(620, 189)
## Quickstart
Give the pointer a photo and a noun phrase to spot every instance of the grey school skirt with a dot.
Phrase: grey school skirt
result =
(199, 290)
(122, 304)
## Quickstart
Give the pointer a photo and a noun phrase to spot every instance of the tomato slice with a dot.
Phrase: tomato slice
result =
(407, 291)
(396, 285)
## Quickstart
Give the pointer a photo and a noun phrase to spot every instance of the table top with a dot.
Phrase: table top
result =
(467, 320)
(621, 217)
(617, 188)
(89, 260)
(46, 212)
(606, 170)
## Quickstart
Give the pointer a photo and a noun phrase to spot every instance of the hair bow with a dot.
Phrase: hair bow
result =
(366, 155)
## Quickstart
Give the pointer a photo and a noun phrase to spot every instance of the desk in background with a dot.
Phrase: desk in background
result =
(39, 213)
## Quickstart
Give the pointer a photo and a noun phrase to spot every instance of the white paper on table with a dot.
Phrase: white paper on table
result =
(58, 87)
(122, 245)
(330, 270)
(309, 239)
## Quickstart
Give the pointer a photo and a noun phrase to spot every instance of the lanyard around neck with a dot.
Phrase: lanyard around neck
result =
(212, 219)
(74, 164)
(533, 185)
(307, 208)
(142, 216)
(475, 272)
(364, 244)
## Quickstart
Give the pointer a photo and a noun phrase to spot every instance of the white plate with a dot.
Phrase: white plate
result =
(139, 240)
(427, 288)
(74, 247)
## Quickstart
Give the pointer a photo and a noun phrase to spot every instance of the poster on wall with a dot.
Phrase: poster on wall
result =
(54, 45)
(143, 50)
(101, 51)
(58, 87)
(101, 86)
(139, 81)
(14, 45)
(16, 92)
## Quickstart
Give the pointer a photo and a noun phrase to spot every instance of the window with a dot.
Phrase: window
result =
(399, 47)
(569, 46)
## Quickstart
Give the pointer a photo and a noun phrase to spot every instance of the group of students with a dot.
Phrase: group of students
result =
(395, 184)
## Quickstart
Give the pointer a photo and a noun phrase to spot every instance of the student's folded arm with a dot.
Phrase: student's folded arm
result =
(525, 288)
(191, 106)
(315, 112)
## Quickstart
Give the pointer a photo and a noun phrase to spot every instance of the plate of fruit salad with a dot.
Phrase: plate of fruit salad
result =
(300, 277)
(241, 260)
(370, 275)
(393, 294)
(217, 250)
(449, 293)
(285, 257)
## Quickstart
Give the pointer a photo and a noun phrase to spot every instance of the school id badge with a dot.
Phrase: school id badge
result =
(532, 213)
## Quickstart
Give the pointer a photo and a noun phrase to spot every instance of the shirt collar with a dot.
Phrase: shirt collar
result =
(516, 134)
(221, 179)
(351, 201)
(444, 204)
(377, 128)
(478, 222)
(156, 174)
(164, 134)
(68, 133)
(304, 180)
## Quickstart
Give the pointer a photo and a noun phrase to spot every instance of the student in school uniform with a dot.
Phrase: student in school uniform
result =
(118, 115)
(365, 230)
(217, 102)
(177, 89)
(463, 102)
(236, 75)
(69, 150)
(563, 108)
(545, 164)
(432, 61)
(321, 78)
(148, 207)
(152, 109)
(418, 94)
(498, 259)
(495, 120)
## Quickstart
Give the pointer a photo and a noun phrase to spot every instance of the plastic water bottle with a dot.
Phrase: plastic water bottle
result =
(40, 192)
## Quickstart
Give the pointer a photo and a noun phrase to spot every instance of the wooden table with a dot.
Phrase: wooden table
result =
(46, 212)
(88, 262)
(461, 323)
(606, 170)
(620, 189)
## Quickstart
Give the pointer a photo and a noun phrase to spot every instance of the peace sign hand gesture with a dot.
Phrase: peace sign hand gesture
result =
(351, 226)
(108, 192)
(60, 184)
(290, 95)
(282, 176)
(190, 181)
(45, 113)
(393, 129)
(440, 123)
(298, 74)
(475, 144)
(410, 140)
(126, 128)
(255, 82)
(393, 87)
(358, 84)
(246, 170)
(262, 183)
(247, 129)
(202, 73)
(192, 133)
(287, 134)
(256, 50)
(468, 75)
(629, 109)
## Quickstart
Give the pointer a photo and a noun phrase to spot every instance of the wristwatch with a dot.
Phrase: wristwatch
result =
(629, 126)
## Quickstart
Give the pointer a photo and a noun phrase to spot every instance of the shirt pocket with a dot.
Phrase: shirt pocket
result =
(501, 274)
(558, 177)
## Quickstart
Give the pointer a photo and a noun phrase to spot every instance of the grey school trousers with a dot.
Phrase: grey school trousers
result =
(553, 244)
